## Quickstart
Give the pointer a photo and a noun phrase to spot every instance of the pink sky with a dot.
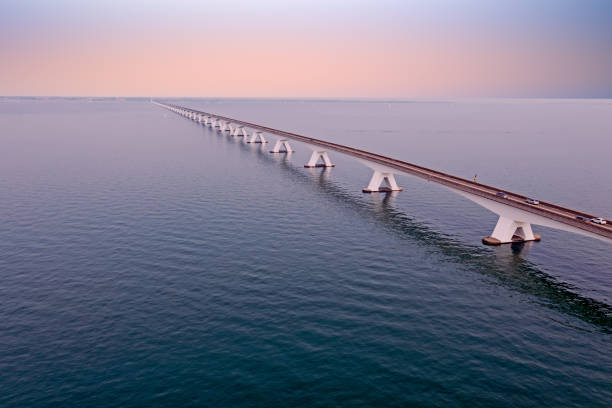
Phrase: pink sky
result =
(324, 54)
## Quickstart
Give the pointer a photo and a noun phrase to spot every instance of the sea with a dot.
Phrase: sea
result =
(149, 261)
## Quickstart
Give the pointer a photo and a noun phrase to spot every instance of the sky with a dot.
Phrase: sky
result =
(313, 49)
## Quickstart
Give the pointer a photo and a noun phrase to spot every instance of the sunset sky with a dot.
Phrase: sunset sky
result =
(314, 48)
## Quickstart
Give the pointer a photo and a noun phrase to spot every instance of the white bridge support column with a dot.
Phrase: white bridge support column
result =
(238, 131)
(245, 134)
(257, 137)
(508, 230)
(314, 158)
(230, 128)
(284, 144)
(382, 177)
(514, 225)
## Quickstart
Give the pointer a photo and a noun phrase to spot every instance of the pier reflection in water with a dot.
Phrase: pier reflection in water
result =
(507, 264)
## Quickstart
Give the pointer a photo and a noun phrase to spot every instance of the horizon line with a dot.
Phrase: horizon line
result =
(348, 98)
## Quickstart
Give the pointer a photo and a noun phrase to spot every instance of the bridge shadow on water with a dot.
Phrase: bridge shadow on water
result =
(506, 265)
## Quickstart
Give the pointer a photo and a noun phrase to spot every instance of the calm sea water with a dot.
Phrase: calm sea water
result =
(148, 261)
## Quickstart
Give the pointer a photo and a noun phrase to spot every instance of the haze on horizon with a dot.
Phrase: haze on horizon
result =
(315, 48)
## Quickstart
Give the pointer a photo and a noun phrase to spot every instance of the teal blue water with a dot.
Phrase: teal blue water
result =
(148, 261)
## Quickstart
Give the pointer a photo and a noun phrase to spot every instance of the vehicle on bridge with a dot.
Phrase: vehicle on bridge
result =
(501, 194)
(599, 220)
(532, 201)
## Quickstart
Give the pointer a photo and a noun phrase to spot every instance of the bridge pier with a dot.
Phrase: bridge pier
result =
(508, 231)
(382, 177)
(255, 136)
(284, 144)
(314, 158)
(238, 131)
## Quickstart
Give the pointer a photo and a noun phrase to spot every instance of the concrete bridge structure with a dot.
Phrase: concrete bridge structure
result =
(516, 215)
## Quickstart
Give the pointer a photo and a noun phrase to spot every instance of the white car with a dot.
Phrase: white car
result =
(532, 201)
(599, 220)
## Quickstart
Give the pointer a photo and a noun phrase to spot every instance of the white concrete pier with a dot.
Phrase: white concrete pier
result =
(378, 178)
(238, 131)
(257, 137)
(508, 230)
(282, 144)
(319, 155)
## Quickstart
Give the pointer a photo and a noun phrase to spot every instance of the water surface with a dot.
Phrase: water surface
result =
(148, 261)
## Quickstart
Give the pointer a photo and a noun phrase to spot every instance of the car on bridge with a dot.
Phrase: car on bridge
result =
(599, 220)
(532, 201)
(581, 218)
(501, 194)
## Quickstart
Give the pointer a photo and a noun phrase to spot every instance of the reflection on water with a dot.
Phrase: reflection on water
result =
(506, 263)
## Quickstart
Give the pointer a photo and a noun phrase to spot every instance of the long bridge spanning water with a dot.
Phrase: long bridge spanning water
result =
(516, 212)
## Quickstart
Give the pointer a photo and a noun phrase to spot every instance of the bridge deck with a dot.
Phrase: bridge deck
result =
(544, 209)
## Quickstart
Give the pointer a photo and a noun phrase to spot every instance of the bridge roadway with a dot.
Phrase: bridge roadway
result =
(548, 210)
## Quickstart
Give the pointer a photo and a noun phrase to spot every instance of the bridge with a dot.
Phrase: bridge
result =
(516, 214)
